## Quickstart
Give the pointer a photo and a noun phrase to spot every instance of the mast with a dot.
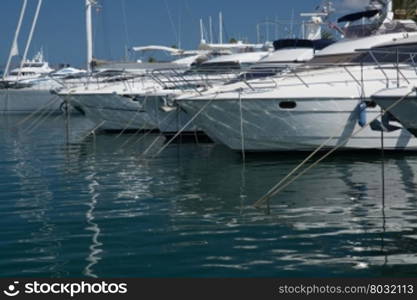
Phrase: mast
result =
(89, 31)
(202, 40)
(32, 30)
(211, 29)
(390, 10)
(220, 28)
(14, 50)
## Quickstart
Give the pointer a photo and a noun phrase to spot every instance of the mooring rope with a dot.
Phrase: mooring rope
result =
(92, 131)
(185, 126)
(160, 133)
(130, 122)
(242, 136)
(50, 101)
(43, 115)
(282, 185)
(41, 121)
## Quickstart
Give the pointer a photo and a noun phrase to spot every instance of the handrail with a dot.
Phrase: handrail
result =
(380, 68)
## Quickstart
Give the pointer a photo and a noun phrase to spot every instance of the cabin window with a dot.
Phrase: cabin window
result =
(288, 104)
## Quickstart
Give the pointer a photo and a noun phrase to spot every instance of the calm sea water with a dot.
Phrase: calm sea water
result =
(99, 209)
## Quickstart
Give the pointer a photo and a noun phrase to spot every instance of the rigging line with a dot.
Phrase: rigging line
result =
(105, 31)
(172, 21)
(127, 36)
(179, 27)
(282, 187)
(188, 9)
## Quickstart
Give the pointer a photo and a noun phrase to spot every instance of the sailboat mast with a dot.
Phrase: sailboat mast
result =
(202, 40)
(14, 49)
(32, 30)
(89, 31)
(390, 10)
(211, 29)
(220, 28)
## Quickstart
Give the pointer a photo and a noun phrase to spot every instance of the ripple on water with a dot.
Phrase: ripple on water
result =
(95, 208)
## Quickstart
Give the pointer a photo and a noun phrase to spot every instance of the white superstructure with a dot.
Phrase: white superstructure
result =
(315, 104)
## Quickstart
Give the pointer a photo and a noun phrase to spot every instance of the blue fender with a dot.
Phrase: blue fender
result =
(362, 114)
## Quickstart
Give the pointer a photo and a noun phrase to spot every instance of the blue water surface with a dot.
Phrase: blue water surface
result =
(98, 208)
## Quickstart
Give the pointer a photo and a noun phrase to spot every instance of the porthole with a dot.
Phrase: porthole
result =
(288, 104)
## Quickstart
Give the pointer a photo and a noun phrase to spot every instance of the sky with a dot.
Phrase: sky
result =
(121, 24)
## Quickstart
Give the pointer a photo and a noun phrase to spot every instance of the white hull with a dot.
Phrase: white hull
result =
(403, 109)
(114, 112)
(167, 116)
(267, 127)
(26, 101)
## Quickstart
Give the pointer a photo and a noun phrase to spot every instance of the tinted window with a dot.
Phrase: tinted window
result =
(288, 104)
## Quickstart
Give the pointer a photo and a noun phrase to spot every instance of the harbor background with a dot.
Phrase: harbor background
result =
(120, 25)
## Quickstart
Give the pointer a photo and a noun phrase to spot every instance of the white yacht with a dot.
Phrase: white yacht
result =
(402, 104)
(30, 69)
(27, 89)
(226, 69)
(160, 105)
(112, 103)
(317, 103)
(120, 105)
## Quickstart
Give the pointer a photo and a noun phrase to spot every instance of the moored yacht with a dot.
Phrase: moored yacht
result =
(227, 69)
(120, 105)
(160, 105)
(327, 101)
(401, 103)
(27, 89)
(111, 103)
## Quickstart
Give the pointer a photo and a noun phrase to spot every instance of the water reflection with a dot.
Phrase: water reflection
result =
(94, 255)
(102, 209)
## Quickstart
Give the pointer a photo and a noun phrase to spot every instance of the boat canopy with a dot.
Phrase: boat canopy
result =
(360, 15)
(302, 43)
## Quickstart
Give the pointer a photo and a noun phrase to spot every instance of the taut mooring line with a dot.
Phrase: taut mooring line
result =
(242, 133)
(282, 185)
(131, 120)
(43, 115)
(185, 126)
(53, 99)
